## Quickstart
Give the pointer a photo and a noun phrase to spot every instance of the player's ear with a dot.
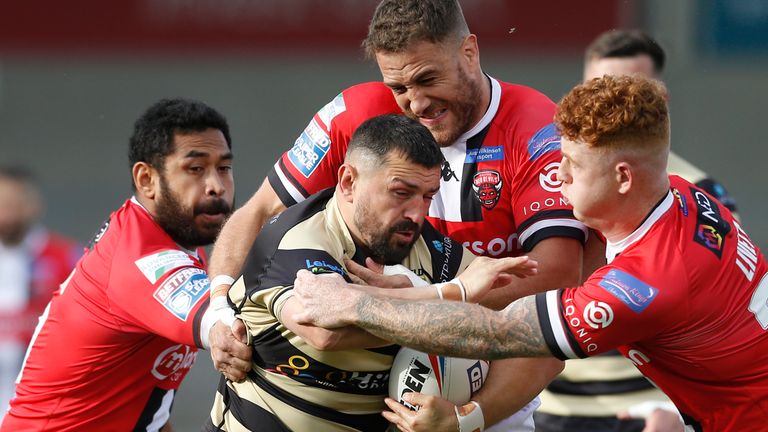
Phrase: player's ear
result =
(347, 176)
(470, 51)
(624, 177)
(146, 179)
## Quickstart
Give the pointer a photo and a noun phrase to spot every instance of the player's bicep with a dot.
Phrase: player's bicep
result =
(613, 308)
(172, 307)
(312, 164)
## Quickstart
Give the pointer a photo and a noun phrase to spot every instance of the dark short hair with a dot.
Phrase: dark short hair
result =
(381, 136)
(153, 132)
(626, 43)
(18, 173)
(397, 24)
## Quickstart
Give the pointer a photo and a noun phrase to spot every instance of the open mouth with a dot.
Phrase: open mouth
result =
(434, 117)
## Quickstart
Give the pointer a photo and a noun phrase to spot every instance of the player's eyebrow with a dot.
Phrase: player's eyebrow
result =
(199, 154)
(412, 185)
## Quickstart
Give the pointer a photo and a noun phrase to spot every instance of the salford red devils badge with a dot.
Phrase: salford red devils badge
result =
(487, 187)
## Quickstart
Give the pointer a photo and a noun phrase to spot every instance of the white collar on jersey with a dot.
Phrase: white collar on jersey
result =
(614, 249)
(493, 107)
(182, 248)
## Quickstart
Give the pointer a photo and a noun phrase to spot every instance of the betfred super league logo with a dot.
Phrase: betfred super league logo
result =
(487, 187)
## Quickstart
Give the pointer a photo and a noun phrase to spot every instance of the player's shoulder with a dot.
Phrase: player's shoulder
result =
(525, 113)
(366, 100)
(520, 97)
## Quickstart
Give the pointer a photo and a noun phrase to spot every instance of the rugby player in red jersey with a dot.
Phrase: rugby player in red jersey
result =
(119, 336)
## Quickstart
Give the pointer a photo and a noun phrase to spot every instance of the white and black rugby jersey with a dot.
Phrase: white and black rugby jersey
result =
(294, 386)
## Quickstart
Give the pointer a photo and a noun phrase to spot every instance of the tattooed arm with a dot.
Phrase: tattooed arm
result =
(440, 327)
(456, 329)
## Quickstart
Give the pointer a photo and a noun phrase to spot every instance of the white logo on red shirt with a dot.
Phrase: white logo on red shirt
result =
(172, 360)
(548, 178)
(598, 314)
(637, 357)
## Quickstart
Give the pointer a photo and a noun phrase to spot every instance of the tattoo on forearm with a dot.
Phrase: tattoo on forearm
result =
(456, 329)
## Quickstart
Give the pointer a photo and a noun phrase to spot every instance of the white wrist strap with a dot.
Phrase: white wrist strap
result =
(456, 281)
(473, 421)
(402, 270)
(223, 311)
(222, 280)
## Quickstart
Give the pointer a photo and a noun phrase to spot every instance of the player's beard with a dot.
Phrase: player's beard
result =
(179, 221)
(380, 240)
(463, 107)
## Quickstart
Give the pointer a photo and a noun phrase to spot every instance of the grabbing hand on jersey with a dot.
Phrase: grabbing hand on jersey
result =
(229, 350)
(485, 274)
(373, 274)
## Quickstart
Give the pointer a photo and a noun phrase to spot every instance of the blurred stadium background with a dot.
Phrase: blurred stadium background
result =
(75, 75)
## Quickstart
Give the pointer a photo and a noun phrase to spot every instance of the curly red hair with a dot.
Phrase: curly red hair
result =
(615, 110)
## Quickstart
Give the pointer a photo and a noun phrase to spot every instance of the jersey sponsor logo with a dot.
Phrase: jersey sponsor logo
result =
(746, 254)
(709, 237)
(598, 314)
(630, 290)
(681, 200)
(549, 203)
(446, 173)
(99, 234)
(331, 110)
(485, 154)
(321, 267)
(173, 361)
(445, 268)
(494, 247)
(305, 369)
(156, 265)
(487, 185)
(638, 358)
(309, 149)
(712, 228)
(582, 334)
(182, 290)
(548, 178)
(438, 245)
(544, 141)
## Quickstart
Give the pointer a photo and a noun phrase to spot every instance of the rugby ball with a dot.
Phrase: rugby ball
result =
(455, 379)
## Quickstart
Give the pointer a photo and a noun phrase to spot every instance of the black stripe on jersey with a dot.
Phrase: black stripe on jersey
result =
(271, 307)
(261, 257)
(246, 412)
(274, 353)
(553, 231)
(690, 421)
(150, 409)
(197, 320)
(544, 215)
(390, 350)
(279, 188)
(446, 254)
(597, 388)
(471, 209)
(574, 344)
(362, 422)
(546, 327)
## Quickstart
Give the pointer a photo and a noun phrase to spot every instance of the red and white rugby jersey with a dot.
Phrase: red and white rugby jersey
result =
(685, 298)
(118, 338)
(498, 194)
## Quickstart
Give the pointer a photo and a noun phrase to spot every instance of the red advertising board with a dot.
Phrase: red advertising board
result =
(255, 26)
